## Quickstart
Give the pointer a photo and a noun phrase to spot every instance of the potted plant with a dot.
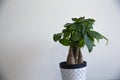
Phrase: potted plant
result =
(76, 35)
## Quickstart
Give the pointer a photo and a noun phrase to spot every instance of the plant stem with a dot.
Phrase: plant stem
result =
(80, 57)
(74, 55)
(70, 57)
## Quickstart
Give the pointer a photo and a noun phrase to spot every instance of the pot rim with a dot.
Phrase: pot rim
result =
(63, 65)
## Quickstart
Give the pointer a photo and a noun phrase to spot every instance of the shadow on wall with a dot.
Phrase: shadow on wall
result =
(118, 3)
(1, 3)
(119, 76)
(1, 76)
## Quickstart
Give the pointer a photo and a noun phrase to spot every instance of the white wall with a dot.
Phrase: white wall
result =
(27, 51)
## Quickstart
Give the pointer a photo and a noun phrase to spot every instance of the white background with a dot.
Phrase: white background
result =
(27, 51)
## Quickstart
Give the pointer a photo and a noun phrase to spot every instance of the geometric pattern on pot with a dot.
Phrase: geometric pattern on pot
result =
(73, 74)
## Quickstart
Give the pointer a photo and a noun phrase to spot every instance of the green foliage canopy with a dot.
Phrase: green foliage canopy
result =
(79, 33)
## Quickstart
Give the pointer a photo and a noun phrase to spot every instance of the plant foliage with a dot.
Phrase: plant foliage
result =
(79, 33)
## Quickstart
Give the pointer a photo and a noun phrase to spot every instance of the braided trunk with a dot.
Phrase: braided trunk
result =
(74, 55)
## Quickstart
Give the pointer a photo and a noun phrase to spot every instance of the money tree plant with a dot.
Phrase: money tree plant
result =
(76, 35)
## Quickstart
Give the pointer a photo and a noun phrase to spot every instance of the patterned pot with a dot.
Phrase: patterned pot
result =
(73, 72)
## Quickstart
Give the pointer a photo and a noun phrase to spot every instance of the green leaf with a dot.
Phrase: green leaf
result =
(76, 36)
(90, 20)
(57, 36)
(90, 26)
(67, 24)
(75, 27)
(81, 43)
(75, 19)
(88, 43)
(66, 34)
(78, 27)
(72, 27)
(97, 35)
(85, 26)
(81, 18)
(90, 36)
(64, 42)
(83, 30)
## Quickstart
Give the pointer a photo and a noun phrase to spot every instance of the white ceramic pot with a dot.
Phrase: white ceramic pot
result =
(73, 72)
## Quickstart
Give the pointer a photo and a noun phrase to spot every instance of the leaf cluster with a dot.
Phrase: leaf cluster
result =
(79, 33)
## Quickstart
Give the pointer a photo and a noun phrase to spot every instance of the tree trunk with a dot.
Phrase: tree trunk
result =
(80, 57)
(74, 55)
(70, 57)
